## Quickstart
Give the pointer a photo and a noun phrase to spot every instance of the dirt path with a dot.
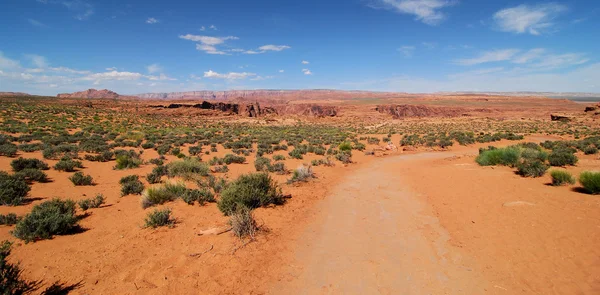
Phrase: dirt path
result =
(374, 235)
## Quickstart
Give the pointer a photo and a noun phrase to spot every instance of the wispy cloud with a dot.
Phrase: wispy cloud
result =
(36, 23)
(524, 18)
(228, 76)
(154, 68)
(152, 20)
(530, 55)
(426, 11)
(82, 9)
(37, 60)
(304, 62)
(7, 63)
(306, 72)
(274, 47)
(208, 43)
(489, 56)
(407, 51)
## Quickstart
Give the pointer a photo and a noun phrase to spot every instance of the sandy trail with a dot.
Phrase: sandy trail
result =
(373, 235)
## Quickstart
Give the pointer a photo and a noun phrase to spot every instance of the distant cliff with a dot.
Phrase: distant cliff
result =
(91, 93)
(254, 94)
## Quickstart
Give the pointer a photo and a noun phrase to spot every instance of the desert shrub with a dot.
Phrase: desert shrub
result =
(344, 157)
(202, 196)
(231, 158)
(105, 156)
(157, 173)
(159, 217)
(590, 182)
(91, 203)
(562, 158)
(8, 150)
(187, 169)
(590, 150)
(157, 161)
(127, 162)
(21, 164)
(80, 179)
(11, 275)
(160, 194)
(534, 154)
(278, 158)
(503, 156)
(530, 145)
(243, 223)
(278, 168)
(9, 219)
(131, 185)
(54, 217)
(217, 185)
(67, 165)
(148, 145)
(560, 177)
(31, 147)
(250, 190)
(221, 169)
(262, 164)
(532, 168)
(302, 173)
(31, 174)
(296, 154)
(195, 150)
(345, 146)
(13, 189)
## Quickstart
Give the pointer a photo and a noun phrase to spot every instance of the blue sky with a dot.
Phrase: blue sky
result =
(134, 46)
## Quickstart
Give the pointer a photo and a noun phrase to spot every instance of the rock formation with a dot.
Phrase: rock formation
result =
(91, 93)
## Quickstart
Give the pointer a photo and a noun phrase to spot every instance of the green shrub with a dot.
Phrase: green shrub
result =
(250, 190)
(11, 275)
(157, 173)
(302, 173)
(202, 196)
(561, 158)
(80, 179)
(127, 162)
(231, 158)
(534, 154)
(68, 165)
(243, 223)
(160, 194)
(532, 168)
(344, 157)
(13, 189)
(21, 164)
(262, 164)
(345, 146)
(560, 177)
(91, 203)
(296, 154)
(31, 174)
(54, 217)
(159, 217)
(278, 158)
(8, 150)
(188, 169)
(131, 185)
(221, 169)
(590, 182)
(503, 156)
(105, 156)
(9, 219)
(590, 150)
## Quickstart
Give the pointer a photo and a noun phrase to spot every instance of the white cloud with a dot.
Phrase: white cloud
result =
(489, 56)
(152, 20)
(154, 68)
(281, 71)
(203, 28)
(161, 77)
(82, 9)
(429, 45)
(228, 76)
(114, 75)
(111, 69)
(69, 71)
(274, 47)
(528, 19)
(407, 50)
(306, 72)
(529, 56)
(207, 43)
(554, 61)
(36, 23)
(7, 63)
(253, 52)
(213, 27)
(37, 60)
(427, 11)
(209, 49)
(305, 62)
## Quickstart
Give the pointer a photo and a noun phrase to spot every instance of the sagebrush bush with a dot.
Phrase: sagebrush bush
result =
(8, 150)
(22, 164)
(243, 223)
(302, 173)
(157, 173)
(201, 196)
(231, 158)
(127, 162)
(9, 219)
(188, 169)
(31, 174)
(80, 179)
(534, 154)
(13, 189)
(560, 177)
(508, 156)
(159, 217)
(91, 203)
(251, 191)
(344, 157)
(11, 275)
(532, 168)
(54, 217)
(131, 185)
(345, 146)
(590, 150)
(278, 158)
(561, 158)
(262, 164)
(590, 182)
(160, 194)
(68, 165)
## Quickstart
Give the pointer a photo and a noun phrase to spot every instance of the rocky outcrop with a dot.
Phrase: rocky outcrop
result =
(320, 111)
(250, 110)
(418, 111)
(91, 93)
(561, 118)
(592, 108)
